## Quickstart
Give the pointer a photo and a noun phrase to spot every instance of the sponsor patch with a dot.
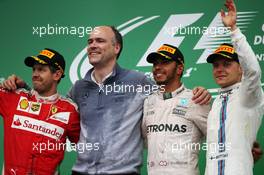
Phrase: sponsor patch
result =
(35, 106)
(24, 104)
(167, 49)
(225, 49)
(179, 163)
(47, 53)
(184, 102)
(37, 126)
(28, 106)
(61, 116)
(163, 163)
(220, 156)
(21, 104)
(54, 109)
(178, 112)
(17, 122)
(150, 113)
(166, 128)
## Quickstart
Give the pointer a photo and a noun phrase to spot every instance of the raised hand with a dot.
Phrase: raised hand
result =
(229, 19)
(13, 82)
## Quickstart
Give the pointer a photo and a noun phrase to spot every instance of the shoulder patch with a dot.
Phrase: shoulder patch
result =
(61, 116)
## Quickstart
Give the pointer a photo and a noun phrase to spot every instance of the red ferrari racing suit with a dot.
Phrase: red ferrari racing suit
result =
(35, 131)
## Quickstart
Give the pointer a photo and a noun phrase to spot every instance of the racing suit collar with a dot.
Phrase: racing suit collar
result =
(49, 99)
(168, 95)
(229, 88)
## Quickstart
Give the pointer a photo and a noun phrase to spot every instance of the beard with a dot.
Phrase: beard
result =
(42, 86)
(171, 77)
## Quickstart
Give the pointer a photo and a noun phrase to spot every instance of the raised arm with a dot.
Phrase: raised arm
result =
(13, 82)
(251, 91)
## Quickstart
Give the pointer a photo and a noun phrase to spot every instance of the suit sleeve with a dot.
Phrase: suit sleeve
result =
(70, 93)
(144, 126)
(74, 127)
(250, 89)
(4, 106)
(200, 117)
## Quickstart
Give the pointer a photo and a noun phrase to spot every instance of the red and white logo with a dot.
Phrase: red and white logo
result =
(61, 116)
(37, 126)
(17, 122)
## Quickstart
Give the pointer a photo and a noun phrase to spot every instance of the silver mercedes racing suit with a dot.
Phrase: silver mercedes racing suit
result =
(235, 117)
(173, 127)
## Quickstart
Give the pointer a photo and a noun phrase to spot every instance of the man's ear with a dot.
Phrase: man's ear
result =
(57, 75)
(180, 69)
(117, 48)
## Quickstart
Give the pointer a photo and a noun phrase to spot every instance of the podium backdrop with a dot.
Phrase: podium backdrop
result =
(194, 26)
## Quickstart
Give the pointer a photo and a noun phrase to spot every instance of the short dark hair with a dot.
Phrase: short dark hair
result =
(118, 38)
(53, 70)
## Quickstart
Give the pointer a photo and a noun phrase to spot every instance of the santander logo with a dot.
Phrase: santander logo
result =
(17, 122)
(37, 126)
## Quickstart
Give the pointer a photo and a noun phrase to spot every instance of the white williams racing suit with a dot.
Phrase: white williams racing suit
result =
(173, 127)
(235, 117)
